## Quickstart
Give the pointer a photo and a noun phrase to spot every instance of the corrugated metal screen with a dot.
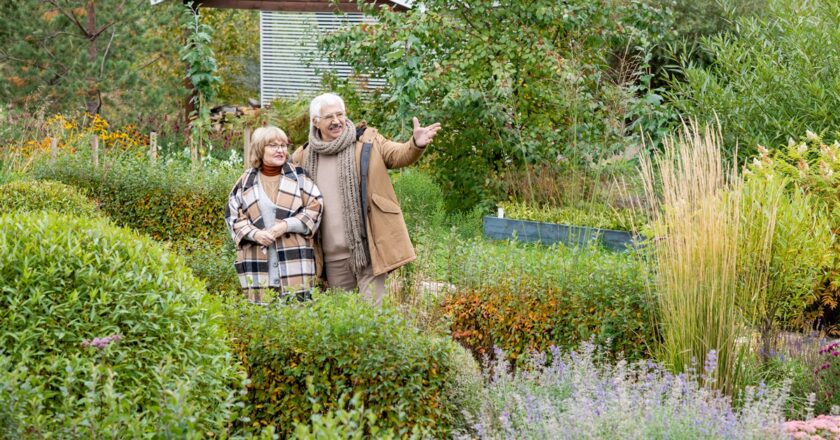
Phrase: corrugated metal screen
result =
(288, 47)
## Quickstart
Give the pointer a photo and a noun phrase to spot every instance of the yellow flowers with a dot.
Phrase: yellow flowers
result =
(70, 132)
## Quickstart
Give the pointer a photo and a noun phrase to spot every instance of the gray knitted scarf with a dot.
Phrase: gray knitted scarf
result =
(343, 146)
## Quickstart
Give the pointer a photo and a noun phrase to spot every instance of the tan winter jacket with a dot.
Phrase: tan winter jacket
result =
(388, 241)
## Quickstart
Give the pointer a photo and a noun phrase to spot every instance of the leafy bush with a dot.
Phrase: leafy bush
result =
(596, 215)
(27, 195)
(94, 314)
(813, 167)
(354, 423)
(561, 299)
(775, 76)
(169, 201)
(421, 201)
(338, 345)
(577, 396)
(292, 116)
(212, 263)
(514, 82)
(784, 244)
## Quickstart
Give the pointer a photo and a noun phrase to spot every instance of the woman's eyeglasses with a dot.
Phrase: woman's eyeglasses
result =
(276, 146)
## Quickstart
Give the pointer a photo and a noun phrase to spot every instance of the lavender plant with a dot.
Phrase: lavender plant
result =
(575, 397)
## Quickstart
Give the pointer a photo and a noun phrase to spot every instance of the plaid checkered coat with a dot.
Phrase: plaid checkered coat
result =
(298, 197)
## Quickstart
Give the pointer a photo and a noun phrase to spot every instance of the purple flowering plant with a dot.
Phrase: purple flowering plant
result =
(101, 343)
(827, 377)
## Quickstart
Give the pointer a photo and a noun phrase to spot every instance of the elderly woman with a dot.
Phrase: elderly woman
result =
(273, 212)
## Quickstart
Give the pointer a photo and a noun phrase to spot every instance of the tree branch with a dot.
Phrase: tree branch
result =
(105, 55)
(71, 15)
(102, 29)
(152, 61)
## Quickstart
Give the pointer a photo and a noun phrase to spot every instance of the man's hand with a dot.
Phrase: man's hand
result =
(279, 229)
(423, 135)
(264, 238)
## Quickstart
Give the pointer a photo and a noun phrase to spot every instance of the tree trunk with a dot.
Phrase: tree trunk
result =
(94, 97)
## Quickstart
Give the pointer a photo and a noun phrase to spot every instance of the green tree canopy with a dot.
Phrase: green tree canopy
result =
(72, 55)
(511, 81)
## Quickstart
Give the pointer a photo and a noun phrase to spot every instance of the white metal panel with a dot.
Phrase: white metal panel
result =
(288, 52)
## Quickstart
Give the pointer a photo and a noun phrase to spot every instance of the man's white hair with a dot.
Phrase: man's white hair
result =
(320, 101)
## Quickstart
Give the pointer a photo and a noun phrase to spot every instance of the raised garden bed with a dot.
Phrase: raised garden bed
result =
(548, 233)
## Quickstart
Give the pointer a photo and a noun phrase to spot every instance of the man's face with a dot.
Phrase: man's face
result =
(331, 123)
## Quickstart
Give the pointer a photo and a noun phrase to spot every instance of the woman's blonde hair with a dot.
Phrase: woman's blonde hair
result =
(262, 137)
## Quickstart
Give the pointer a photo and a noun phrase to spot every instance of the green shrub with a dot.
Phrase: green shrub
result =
(28, 195)
(528, 298)
(596, 215)
(773, 77)
(354, 423)
(527, 82)
(67, 281)
(212, 263)
(784, 244)
(169, 201)
(338, 345)
(421, 200)
(813, 167)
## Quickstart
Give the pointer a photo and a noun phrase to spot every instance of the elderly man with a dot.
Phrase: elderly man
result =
(363, 235)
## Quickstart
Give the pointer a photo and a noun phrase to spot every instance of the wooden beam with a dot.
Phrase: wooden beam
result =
(293, 5)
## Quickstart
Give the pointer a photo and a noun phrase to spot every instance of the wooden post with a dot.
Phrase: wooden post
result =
(94, 143)
(153, 153)
(54, 148)
(246, 153)
(193, 150)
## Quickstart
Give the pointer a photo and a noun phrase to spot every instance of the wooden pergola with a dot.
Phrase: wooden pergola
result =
(300, 5)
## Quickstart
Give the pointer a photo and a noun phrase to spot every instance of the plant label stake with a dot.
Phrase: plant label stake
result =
(153, 146)
(95, 146)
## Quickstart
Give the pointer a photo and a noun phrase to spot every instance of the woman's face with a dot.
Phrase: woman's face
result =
(276, 152)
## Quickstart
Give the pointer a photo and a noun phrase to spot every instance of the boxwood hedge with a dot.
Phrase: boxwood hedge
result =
(35, 195)
(90, 314)
(306, 358)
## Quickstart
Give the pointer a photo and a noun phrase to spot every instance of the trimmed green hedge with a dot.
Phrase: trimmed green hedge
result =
(101, 330)
(303, 358)
(29, 195)
(168, 201)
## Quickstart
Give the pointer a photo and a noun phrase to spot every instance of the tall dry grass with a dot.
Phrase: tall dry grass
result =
(694, 198)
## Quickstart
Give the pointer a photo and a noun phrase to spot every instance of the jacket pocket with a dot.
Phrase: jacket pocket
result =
(386, 222)
(385, 205)
(389, 235)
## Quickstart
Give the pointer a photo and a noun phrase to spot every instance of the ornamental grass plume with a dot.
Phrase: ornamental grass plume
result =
(695, 216)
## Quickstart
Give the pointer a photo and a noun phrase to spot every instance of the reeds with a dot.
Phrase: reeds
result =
(695, 201)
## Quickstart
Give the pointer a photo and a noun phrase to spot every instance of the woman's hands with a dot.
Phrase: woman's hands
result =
(264, 238)
(279, 229)
(267, 237)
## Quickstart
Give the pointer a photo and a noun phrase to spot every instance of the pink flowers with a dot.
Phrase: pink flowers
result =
(820, 428)
(831, 348)
(101, 343)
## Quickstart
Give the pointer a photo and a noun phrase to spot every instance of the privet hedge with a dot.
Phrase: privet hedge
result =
(29, 195)
(303, 357)
(166, 201)
(102, 330)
